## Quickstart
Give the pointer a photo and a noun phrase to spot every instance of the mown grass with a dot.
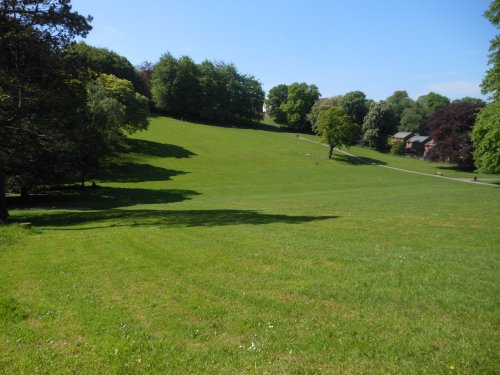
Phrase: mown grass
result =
(221, 250)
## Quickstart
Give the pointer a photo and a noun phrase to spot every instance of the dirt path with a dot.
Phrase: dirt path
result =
(403, 170)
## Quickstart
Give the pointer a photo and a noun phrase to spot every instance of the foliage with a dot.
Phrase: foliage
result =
(431, 102)
(491, 82)
(486, 139)
(450, 129)
(211, 91)
(320, 106)
(413, 119)
(40, 103)
(337, 129)
(378, 124)
(275, 98)
(102, 60)
(355, 104)
(294, 108)
(399, 102)
(398, 147)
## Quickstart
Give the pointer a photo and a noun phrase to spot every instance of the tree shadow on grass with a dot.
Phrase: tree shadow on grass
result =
(162, 218)
(98, 199)
(162, 150)
(356, 160)
(133, 172)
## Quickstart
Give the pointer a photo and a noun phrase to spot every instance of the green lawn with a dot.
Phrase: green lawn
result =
(221, 250)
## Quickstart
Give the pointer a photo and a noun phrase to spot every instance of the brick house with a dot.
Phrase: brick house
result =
(401, 136)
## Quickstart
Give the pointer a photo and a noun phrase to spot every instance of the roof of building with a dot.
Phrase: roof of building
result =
(431, 143)
(419, 139)
(402, 135)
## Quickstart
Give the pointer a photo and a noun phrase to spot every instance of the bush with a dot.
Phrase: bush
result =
(398, 148)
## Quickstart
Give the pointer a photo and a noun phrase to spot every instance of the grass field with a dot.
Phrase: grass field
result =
(221, 250)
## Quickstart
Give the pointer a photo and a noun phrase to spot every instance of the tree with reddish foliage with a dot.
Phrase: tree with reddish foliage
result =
(450, 128)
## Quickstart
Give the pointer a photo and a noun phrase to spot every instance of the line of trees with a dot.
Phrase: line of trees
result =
(213, 91)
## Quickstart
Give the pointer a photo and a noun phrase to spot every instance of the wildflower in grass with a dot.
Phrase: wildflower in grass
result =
(252, 347)
(452, 367)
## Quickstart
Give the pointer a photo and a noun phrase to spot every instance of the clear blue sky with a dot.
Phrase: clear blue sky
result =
(376, 46)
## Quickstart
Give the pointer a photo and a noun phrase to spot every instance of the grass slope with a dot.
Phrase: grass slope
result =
(222, 250)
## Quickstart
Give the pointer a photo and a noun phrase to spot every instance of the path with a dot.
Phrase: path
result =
(401, 169)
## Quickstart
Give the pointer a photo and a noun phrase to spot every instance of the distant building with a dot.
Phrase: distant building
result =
(416, 144)
(429, 146)
(401, 136)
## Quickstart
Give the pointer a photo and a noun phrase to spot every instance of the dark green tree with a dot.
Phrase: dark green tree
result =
(275, 98)
(399, 101)
(37, 102)
(355, 104)
(336, 128)
(378, 124)
(413, 119)
(431, 102)
(301, 98)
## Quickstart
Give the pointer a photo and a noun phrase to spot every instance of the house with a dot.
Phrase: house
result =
(401, 136)
(429, 146)
(416, 144)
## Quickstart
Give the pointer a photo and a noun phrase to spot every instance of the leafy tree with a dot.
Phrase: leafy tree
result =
(301, 98)
(277, 96)
(399, 101)
(450, 129)
(336, 128)
(38, 104)
(432, 101)
(491, 82)
(320, 106)
(145, 72)
(102, 60)
(355, 104)
(175, 86)
(378, 124)
(469, 99)
(413, 119)
(486, 139)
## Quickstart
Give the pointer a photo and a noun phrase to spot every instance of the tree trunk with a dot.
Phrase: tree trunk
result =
(4, 214)
(24, 192)
(330, 154)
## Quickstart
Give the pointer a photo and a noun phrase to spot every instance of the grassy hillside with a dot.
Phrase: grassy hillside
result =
(222, 250)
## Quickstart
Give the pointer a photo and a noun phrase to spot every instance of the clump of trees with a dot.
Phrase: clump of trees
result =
(213, 91)
(290, 105)
(60, 113)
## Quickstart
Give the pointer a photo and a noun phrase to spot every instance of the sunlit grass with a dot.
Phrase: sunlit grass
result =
(222, 250)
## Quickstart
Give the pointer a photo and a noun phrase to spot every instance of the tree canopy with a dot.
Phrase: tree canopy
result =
(210, 91)
(378, 124)
(292, 109)
(491, 81)
(336, 128)
(486, 139)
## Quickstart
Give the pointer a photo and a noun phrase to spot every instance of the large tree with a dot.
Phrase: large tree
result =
(319, 106)
(450, 129)
(336, 128)
(432, 101)
(294, 110)
(399, 102)
(413, 119)
(491, 82)
(378, 124)
(36, 92)
(356, 105)
(486, 139)
(275, 98)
